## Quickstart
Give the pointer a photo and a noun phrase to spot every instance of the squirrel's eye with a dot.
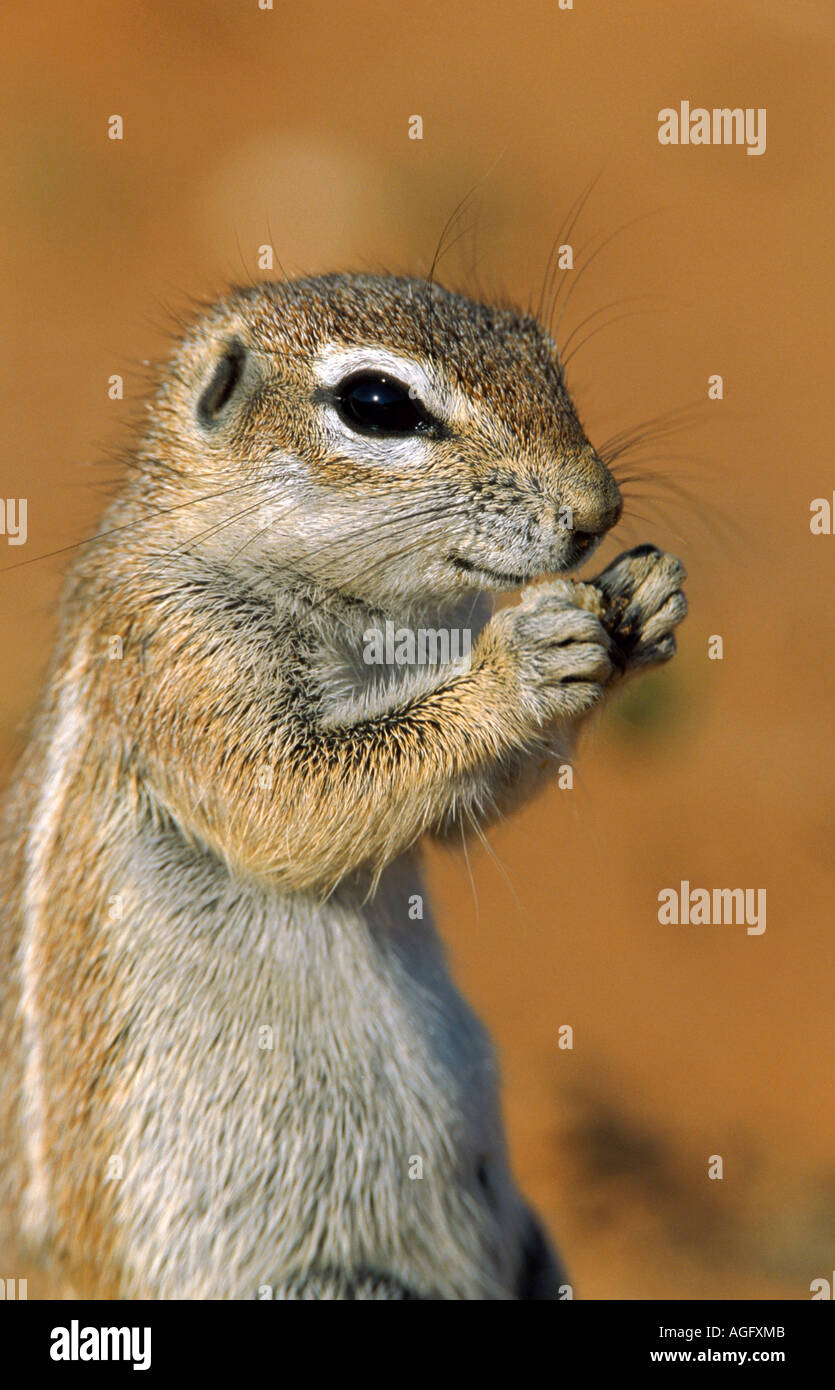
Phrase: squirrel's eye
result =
(376, 404)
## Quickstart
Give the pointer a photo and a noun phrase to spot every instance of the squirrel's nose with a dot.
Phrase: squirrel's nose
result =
(588, 488)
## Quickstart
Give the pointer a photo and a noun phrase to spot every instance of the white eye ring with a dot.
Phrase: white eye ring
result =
(424, 383)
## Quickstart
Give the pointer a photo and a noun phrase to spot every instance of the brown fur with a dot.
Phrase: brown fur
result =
(252, 798)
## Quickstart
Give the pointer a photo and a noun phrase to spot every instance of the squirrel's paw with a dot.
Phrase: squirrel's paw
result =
(561, 650)
(643, 603)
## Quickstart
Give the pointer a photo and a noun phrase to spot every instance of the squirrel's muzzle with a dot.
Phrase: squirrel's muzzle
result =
(588, 488)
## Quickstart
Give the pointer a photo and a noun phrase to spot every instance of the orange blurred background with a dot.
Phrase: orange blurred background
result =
(244, 127)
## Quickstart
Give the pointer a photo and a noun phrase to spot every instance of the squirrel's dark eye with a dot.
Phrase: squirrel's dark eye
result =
(221, 388)
(376, 404)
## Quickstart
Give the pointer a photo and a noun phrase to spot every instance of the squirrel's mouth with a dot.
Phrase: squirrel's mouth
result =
(582, 543)
(497, 578)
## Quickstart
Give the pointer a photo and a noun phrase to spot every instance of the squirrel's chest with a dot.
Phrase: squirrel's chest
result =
(312, 1069)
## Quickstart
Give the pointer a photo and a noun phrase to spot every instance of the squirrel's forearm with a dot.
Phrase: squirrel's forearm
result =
(280, 796)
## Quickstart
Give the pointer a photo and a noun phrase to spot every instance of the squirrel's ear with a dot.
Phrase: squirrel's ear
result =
(225, 381)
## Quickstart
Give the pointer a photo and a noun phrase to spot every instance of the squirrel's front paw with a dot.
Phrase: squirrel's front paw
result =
(561, 650)
(643, 602)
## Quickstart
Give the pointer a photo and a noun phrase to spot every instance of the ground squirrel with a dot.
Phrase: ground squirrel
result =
(234, 1064)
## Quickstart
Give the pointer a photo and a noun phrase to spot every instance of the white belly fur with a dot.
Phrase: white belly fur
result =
(250, 1156)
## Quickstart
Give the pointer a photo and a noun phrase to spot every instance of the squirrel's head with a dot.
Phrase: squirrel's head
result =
(380, 436)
